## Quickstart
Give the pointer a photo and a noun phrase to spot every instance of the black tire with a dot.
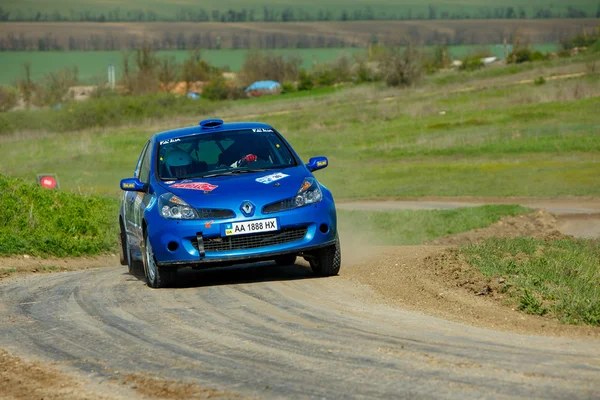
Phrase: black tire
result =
(156, 276)
(123, 258)
(327, 261)
(287, 259)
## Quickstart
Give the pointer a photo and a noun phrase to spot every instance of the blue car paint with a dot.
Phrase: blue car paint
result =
(139, 209)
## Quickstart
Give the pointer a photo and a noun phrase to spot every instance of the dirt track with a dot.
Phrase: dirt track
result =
(272, 332)
(277, 332)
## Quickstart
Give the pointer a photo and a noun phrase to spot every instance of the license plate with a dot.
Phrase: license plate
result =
(256, 226)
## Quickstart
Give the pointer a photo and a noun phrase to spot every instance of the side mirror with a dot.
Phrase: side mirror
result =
(133, 185)
(316, 163)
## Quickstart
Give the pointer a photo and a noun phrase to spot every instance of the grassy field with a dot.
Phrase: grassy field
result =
(490, 136)
(92, 65)
(389, 7)
(559, 277)
(43, 222)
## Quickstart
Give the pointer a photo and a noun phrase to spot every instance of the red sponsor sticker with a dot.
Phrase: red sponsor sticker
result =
(207, 187)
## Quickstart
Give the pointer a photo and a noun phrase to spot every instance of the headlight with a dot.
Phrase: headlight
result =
(172, 207)
(309, 193)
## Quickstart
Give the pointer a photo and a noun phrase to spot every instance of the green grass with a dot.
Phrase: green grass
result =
(517, 140)
(416, 226)
(42, 222)
(389, 7)
(92, 65)
(105, 111)
(561, 277)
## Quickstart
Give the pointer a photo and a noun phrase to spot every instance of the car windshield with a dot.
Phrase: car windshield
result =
(222, 153)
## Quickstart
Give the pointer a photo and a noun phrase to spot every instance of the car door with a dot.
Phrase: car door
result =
(142, 198)
(129, 204)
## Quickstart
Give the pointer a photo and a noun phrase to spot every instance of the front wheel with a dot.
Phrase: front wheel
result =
(327, 261)
(156, 277)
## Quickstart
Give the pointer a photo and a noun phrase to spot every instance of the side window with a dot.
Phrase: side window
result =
(144, 171)
(136, 174)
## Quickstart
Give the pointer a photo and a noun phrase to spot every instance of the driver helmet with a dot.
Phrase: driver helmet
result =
(178, 163)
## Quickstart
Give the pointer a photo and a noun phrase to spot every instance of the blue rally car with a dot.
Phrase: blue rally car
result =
(219, 194)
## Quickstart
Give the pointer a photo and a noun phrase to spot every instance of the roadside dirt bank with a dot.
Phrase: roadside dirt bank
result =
(433, 279)
(25, 264)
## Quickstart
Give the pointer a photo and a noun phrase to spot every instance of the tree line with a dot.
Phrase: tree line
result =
(261, 40)
(290, 14)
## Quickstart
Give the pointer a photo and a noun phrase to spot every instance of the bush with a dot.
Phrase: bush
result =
(168, 72)
(216, 89)
(259, 66)
(196, 69)
(305, 81)
(471, 63)
(438, 60)
(8, 98)
(140, 75)
(326, 77)
(539, 81)
(39, 221)
(364, 71)
(54, 88)
(5, 125)
(338, 71)
(402, 67)
(26, 86)
(581, 41)
(288, 87)
(525, 55)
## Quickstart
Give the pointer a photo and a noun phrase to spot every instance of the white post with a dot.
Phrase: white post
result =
(111, 76)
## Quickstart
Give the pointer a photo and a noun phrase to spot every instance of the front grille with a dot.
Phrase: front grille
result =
(279, 206)
(252, 241)
(214, 213)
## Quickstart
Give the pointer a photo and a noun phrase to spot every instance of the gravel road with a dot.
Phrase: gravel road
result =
(277, 332)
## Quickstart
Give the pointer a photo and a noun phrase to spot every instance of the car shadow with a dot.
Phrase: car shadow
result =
(250, 273)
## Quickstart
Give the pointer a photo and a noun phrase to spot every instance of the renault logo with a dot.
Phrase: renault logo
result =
(247, 208)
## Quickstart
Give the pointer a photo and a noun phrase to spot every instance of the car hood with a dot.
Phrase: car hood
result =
(229, 191)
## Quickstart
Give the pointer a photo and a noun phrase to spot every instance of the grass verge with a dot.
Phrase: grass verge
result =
(42, 222)
(559, 277)
(416, 226)
(495, 140)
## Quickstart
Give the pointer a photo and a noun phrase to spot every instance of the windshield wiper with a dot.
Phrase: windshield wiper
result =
(233, 172)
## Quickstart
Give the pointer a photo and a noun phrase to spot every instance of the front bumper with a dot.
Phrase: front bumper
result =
(175, 242)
